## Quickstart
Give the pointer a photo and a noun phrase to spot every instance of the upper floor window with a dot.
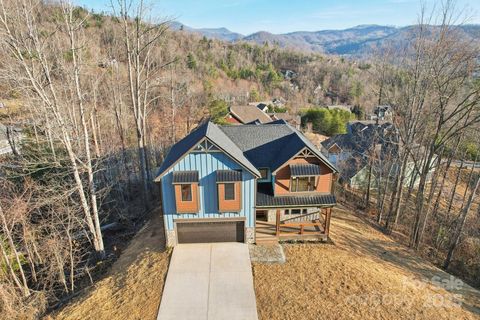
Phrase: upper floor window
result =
(186, 192)
(302, 184)
(185, 185)
(229, 191)
(229, 188)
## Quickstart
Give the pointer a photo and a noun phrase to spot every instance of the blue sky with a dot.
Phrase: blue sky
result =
(282, 16)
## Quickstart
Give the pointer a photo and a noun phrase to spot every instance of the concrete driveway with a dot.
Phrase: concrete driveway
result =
(209, 281)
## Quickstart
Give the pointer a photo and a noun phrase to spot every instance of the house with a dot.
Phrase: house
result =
(263, 106)
(384, 112)
(350, 152)
(294, 120)
(246, 183)
(354, 173)
(246, 114)
(372, 143)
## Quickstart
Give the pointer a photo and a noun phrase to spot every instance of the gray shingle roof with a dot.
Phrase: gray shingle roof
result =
(215, 135)
(253, 146)
(228, 175)
(266, 199)
(272, 144)
(299, 170)
(185, 177)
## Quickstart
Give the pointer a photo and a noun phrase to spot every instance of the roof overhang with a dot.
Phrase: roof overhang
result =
(313, 154)
(160, 176)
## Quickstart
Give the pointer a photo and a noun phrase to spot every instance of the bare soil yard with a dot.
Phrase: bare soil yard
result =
(362, 274)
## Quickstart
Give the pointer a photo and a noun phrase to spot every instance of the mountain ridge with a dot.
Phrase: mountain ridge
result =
(358, 41)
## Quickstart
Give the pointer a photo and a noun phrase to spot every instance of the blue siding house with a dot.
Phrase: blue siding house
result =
(216, 180)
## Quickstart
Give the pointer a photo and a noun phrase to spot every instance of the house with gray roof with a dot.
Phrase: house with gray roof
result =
(258, 182)
(246, 114)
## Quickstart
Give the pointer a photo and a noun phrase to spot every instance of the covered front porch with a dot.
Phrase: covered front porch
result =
(282, 224)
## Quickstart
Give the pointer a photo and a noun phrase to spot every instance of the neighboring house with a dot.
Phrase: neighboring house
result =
(384, 113)
(354, 173)
(246, 183)
(351, 152)
(246, 114)
(370, 143)
(263, 106)
(294, 120)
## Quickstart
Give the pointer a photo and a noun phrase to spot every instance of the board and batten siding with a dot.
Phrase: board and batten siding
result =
(207, 164)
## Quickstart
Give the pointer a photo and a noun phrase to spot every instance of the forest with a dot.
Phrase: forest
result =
(100, 98)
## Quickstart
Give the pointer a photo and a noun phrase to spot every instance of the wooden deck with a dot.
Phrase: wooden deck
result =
(271, 232)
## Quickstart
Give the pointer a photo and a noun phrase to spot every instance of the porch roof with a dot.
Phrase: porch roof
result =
(229, 175)
(304, 170)
(266, 199)
(180, 177)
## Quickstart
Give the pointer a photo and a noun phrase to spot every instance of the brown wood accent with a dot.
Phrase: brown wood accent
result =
(283, 176)
(277, 224)
(328, 215)
(234, 205)
(316, 228)
(187, 206)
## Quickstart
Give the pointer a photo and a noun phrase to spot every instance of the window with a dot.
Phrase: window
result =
(263, 174)
(296, 211)
(186, 192)
(229, 191)
(303, 184)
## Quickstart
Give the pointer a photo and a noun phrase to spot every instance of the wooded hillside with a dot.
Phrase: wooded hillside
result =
(100, 99)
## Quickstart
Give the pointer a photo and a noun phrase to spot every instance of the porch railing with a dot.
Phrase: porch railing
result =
(299, 223)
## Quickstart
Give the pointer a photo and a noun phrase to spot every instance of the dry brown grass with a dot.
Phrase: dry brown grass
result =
(361, 275)
(318, 281)
(133, 287)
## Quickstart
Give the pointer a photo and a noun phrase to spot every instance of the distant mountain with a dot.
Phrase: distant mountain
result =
(358, 41)
(220, 34)
(211, 33)
(326, 41)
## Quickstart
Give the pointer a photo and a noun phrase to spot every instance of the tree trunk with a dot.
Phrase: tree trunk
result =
(459, 229)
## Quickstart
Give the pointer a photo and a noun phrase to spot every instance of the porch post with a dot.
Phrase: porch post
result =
(328, 214)
(277, 223)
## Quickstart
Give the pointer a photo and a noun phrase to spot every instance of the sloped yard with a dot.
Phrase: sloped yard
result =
(361, 275)
(133, 287)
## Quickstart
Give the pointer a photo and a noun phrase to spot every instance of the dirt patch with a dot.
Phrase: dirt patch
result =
(134, 285)
(362, 275)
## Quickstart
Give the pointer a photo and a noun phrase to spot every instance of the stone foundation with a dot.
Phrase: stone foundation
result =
(171, 238)
(250, 235)
(272, 215)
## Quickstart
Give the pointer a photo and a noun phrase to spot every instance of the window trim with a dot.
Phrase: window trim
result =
(225, 191)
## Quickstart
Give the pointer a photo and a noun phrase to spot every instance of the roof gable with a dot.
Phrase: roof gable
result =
(216, 136)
